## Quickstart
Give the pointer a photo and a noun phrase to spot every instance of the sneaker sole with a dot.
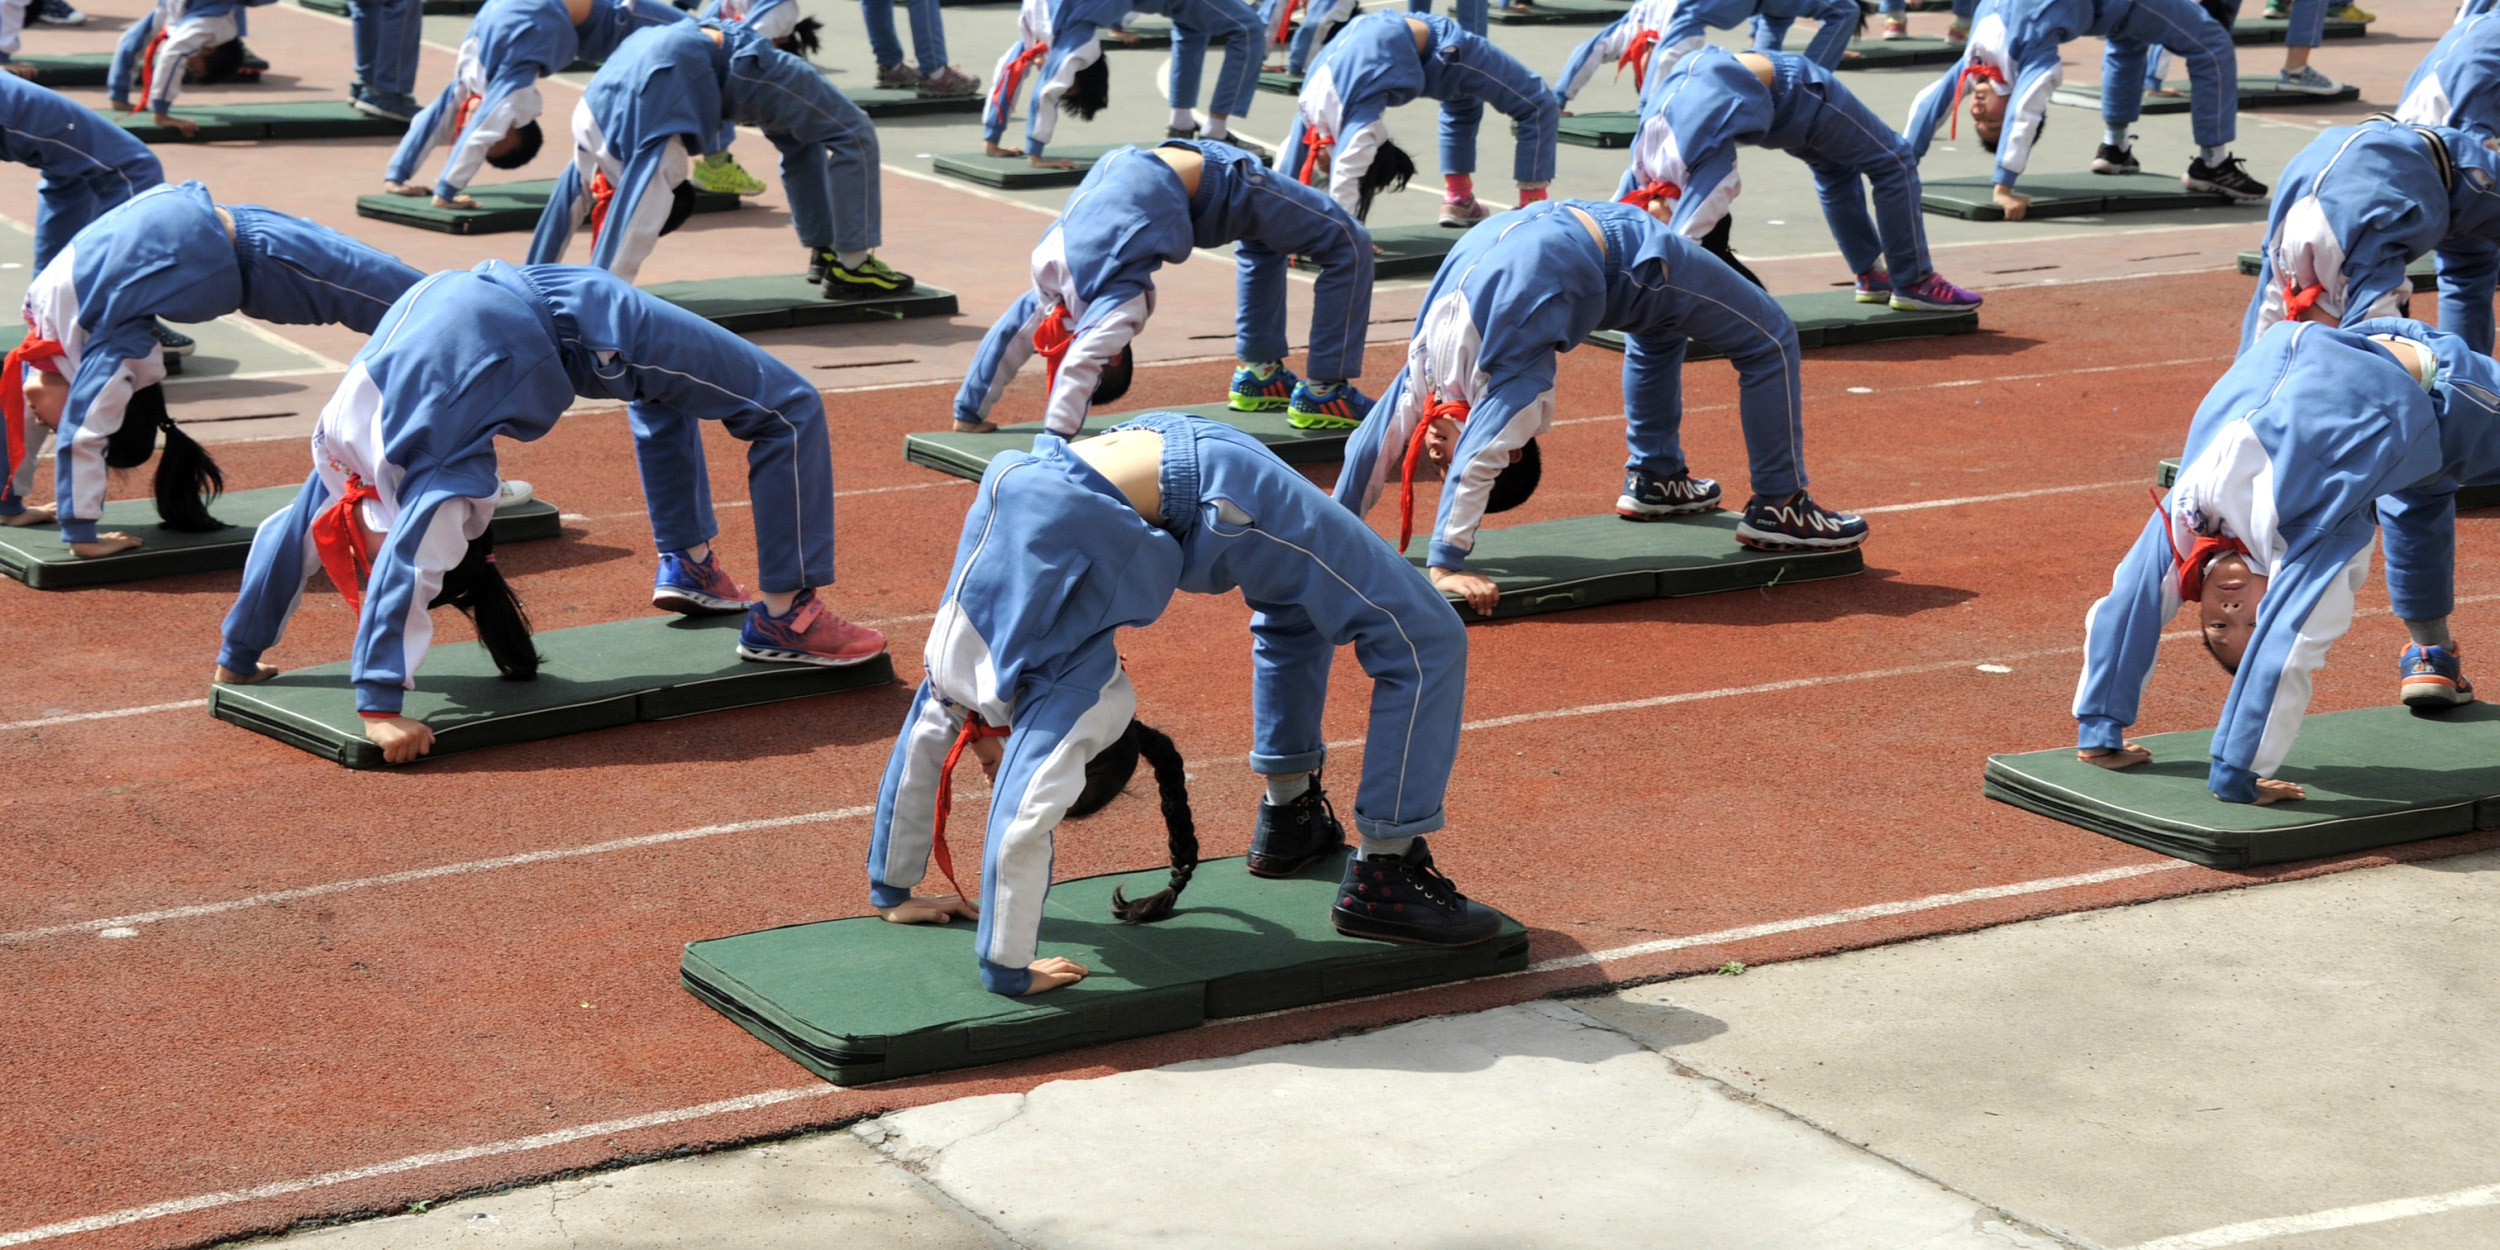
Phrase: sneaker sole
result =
(2301, 89)
(776, 655)
(1269, 870)
(1258, 403)
(1906, 303)
(2104, 167)
(1321, 421)
(1874, 297)
(1408, 937)
(847, 292)
(1449, 223)
(2424, 692)
(2198, 184)
(1760, 541)
(1631, 509)
(689, 603)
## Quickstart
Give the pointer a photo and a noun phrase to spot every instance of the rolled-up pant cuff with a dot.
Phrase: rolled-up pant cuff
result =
(1280, 765)
(1382, 829)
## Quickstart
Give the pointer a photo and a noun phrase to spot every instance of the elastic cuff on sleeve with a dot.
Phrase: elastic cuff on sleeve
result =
(2099, 733)
(1001, 979)
(380, 696)
(445, 190)
(77, 531)
(2005, 178)
(887, 895)
(1445, 556)
(2231, 783)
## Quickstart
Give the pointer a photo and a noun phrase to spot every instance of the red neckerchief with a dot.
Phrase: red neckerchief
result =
(974, 727)
(1313, 143)
(1636, 55)
(2298, 299)
(1976, 69)
(2189, 566)
(1649, 193)
(1434, 409)
(602, 194)
(147, 67)
(1003, 93)
(13, 393)
(468, 105)
(1052, 338)
(338, 535)
(1284, 20)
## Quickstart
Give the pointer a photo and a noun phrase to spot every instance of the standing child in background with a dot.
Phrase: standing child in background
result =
(2458, 84)
(1320, 19)
(158, 48)
(1478, 387)
(2359, 205)
(2314, 438)
(405, 477)
(1684, 165)
(388, 34)
(91, 321)
(488, 113)
(933, 78)
(1141, 209)
(1117, 525)
(1383, 60)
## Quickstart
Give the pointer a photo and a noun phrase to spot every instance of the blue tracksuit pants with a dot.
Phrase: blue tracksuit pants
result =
(928, 34)
(2202, 45)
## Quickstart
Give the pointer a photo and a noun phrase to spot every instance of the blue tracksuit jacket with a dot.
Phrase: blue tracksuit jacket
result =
(190, 26)
(1684, 26)
(2458, 84)
(88, 163)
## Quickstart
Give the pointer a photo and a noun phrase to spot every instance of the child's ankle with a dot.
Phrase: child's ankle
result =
(1458, 188)
(1531, 192)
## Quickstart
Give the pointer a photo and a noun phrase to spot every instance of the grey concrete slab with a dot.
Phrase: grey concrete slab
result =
(1528, 1126)
(803, 1194)
(2149, 1072)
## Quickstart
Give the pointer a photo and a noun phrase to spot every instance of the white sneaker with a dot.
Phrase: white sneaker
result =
(512, 493)
(2307, 81)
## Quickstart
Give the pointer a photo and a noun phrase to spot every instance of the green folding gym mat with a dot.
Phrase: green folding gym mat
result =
(590, 677)
(2424, 271)
(1584, 562)
(1599, 130)
(1900, 53)
(2263, 30)
(1154, 34)
(969, 455)
(1405, 251)
(2065, 195)
(2375, 777)
(904, 102)
(2257, 91)
(1281, 84)
(786, 301)
(77, 69)
(501, 207)
(37, 556)
(1562, 13)
(290, 119)
(2468, 497)
(432, 8)
(860, 1000)
(1014, 173)
(1837, 319)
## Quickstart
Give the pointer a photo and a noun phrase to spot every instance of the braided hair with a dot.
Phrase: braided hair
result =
(1107, 774)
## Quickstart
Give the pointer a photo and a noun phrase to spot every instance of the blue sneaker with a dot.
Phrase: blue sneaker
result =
(1403, 898)
(1647, 498)
(1341, 409)
(1797, 523)
(398, 108)
(1875, 286)
(697, 589)
(2434, 678)
(1251, 393)
(809, 633)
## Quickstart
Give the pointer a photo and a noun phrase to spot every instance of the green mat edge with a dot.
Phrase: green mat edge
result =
(1322, 447)
(952, 164)
(1599, 590)
(2129, 202)
(526, 522)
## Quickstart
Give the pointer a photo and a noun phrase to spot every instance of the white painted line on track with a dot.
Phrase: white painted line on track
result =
(2326, 1221)
(2011, 494)
(114, 714)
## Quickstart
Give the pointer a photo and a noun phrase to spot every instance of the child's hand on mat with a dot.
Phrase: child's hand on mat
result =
(1128, 37)
(2127, 756)
(1051, 973)
(2012, 203)
(105, 544)
(2271, 791)
(259, 674)
(33, 515)
(400, 738)
(21, 69)
(401, 188)
(941, 910)
(1477, 589)
(183, 126)
(462, 200)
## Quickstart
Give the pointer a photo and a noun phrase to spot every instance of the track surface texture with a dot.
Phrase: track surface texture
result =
(245, 989)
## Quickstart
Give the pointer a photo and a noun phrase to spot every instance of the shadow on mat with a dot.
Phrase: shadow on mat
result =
(791, 727)
(573, 552)
(1982, 342)
(1875, 592)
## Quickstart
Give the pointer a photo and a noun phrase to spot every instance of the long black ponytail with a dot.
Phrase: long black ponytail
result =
(187, 477)
(477, 587)
(1107, 774)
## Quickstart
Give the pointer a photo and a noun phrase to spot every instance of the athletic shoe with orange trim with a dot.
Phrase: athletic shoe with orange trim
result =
(809, 633)
(2434, 678)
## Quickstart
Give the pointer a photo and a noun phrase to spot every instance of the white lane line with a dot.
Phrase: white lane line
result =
(114, 714)
(2324, 1221)
(411, 1163)
(196, 910)
(748, 503)
(2011, 494)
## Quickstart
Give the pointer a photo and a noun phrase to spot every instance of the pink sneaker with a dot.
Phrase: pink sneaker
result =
(808, 634)
(1461, 214)
(1933, 294)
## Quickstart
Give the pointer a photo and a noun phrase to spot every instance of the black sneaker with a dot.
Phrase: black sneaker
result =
(1797, 523)
(874, 279)
(1647, 498)
(2229, 178)
(174, 342)
(2113, 159)
(1180, 132)
(818, 261)
(1403, 898)
(1293, 837)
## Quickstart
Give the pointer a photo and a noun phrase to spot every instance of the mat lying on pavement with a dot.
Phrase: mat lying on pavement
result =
(1281, 83)
(501, 207)
(1582, 562)
(432, 8)
(289, 119)
(37, 556)
(2424, 272)
(1599, 130)
(969, 455)
(2375, 777)
(905, 102)
(1836, 319)
(2256, 91)
(1015, 173)
(860, 1000)
(591, 677)
(2467, 496)
(2261, 30)
(1900, 53)
(2068, 195)
(72, 69)
(783, 301)
(1562, 13)
(1405, 251)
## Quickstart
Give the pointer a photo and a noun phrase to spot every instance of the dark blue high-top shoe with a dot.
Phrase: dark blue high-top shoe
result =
(1292, 837)
(1404, 898)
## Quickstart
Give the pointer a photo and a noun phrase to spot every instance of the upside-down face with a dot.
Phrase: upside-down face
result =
(1987, 113)
(2226, 615)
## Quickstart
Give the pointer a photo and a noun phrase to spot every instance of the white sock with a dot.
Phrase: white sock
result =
(1283, 790)
(1183, 119)
(2214, 156)
(1219, 127)
(851, 260)
(1374, 848)
(2115, 136)
(2431, 633)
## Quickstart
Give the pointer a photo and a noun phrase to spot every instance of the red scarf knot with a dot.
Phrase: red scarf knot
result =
(1636, 55)
(1313, 143)
(974, 727)
(13, 392)
(338, 535)
(1052, 337)
(1435, 409)
(1649, 193)
(2298, 299)
(1003, 94)
(1980, 70)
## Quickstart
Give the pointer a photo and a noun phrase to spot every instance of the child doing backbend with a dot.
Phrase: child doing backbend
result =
(94, 368)
(2315, 437)
(1653, 36)
(404, 478)
(1140, 209)
(1478, 387)
(1069, 544)
(1059, 44)
(159, 48)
